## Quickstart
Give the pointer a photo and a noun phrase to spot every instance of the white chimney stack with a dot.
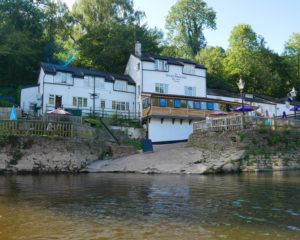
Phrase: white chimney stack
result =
(138, 49)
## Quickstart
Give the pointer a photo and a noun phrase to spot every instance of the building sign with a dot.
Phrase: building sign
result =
(176, 77)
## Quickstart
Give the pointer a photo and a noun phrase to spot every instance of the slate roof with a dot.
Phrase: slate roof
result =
(52, 69)
(170, 60)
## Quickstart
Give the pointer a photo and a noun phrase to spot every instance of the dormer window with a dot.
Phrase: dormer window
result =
(120, 85)
(189, 69)
(161, 65)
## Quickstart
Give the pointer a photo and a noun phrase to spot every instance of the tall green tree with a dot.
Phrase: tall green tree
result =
(292, 56)
(21, 32)
(186, 22)
(107, 31)
(247, 57)
(213, 59)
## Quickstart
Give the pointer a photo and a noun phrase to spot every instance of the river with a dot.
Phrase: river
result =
(133, 206)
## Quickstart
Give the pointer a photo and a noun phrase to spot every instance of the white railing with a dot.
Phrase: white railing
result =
(239, 122)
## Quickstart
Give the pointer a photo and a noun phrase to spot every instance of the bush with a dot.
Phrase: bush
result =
(273, 139)
(15, 157)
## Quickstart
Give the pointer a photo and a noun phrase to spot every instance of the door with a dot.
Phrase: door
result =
(58, 102)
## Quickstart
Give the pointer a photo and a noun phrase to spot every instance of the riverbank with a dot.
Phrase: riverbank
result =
(54, 154)
(206, 153)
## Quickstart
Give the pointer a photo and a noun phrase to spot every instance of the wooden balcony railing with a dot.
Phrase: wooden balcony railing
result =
(168, 111)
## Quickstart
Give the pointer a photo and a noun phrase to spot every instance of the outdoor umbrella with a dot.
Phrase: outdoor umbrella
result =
(59, 111)
(218, 113)
(244, 108)
(295, 109)
(13, 114)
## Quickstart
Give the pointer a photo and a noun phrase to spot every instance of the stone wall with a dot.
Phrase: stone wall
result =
(52, 155)
(248, 150)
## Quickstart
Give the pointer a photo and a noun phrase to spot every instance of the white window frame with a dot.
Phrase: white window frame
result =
(161, 88)
(190, 91)
(189, 69)
(80, 102)
(51, 99)
(120, 86)
(161, 65)
(120, 106)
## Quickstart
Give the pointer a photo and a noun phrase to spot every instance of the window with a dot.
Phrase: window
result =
(188, 69)
(190, 104)
(203, 106)
(217, 106)
(51, 99)
(197, 105)
(102, 104)
(120, 106)
(210, 106)
(190, 91)
(162, 102)
(183, 104)
(177, 103)
(161, 88)
(79, 102)
(161, 65)
(120, 86)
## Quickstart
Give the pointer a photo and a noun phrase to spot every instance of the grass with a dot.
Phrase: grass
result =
(134, 143)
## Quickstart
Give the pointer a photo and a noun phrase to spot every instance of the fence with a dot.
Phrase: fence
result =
(239, 122)
(5, 112)
(39, 128)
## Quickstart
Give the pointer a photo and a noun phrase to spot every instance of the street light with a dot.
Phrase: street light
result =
(241, 86)
(292, 94)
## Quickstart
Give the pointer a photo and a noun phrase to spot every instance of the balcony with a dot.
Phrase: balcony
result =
(175, 112)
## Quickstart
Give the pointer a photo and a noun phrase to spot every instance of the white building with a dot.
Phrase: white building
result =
(80, 91)
(166, 94)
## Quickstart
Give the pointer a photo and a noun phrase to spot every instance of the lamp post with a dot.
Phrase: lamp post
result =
(292, 94)
(241, 86)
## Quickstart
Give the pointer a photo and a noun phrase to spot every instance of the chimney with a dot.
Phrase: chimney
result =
(138, 49)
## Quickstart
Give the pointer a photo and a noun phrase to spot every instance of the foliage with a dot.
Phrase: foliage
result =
(3, 137)
(15, 157)
(273, 139)
(107, 33)
(132, 142)
(213, 59)
(186, 22)
(94, 122)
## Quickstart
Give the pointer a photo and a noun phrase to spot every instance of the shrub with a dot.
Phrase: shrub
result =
(273, 139)
(132, 142)
(15, 157)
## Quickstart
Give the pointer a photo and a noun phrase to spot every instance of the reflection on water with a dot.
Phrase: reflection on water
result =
(117, 206)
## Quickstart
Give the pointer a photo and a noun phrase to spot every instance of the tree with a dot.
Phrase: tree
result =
(292, 56)
(185, 24)
(213, 59)
(247, 57)
(107, 33)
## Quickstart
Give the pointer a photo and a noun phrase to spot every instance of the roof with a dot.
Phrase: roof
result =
(255, 98)
(52, 69)
(170, 60)
(30, 86)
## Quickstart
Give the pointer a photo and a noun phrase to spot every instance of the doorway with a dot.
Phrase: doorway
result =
(58, 102)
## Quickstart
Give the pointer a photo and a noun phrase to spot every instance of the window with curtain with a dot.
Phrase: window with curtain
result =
(161, 88)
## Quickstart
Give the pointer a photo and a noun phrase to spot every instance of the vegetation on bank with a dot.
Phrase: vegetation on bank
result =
(36, 31)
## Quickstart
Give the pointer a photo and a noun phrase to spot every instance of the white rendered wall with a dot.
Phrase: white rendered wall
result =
(175, 79)
(167, 131)
(29, 96)
(83, 89)
(136, 74)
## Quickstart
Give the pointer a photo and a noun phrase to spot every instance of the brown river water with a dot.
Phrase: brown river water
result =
(132, 206)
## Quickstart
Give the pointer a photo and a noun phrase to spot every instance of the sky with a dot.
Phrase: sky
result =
(275, 20)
